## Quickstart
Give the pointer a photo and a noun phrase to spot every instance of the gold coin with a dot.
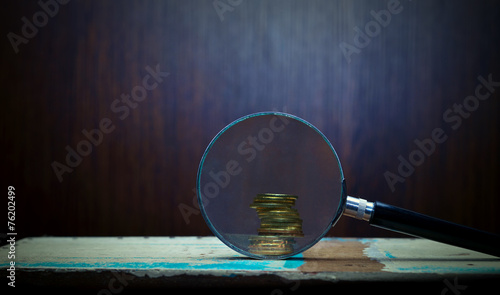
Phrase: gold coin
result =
(271, 239)
(275, 199)
(270, 195)
(265, 206)
(287, 235)
(271, 252)
(264, 229)
(280, 221)
(279, 218)
(273, 226)
(269, 215)
(283, 233)
(287, 203)
(278, 214)
(270, 208)
(271, 246)
(265, 203)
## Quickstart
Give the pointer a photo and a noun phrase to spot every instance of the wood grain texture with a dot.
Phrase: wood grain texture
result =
(264, 55)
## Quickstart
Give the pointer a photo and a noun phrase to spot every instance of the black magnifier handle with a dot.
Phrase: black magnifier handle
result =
(416, 224)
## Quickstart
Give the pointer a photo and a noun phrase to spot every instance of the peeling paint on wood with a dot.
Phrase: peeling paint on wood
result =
(331, 260)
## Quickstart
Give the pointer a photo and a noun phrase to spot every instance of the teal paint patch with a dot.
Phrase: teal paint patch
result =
(451, 269)
(389, 255)
(367, 240)
(102, 265)
(294, 262)
(231, 265)
(328, 239)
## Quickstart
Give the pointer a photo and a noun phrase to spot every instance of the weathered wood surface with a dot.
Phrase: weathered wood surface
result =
(138, 262)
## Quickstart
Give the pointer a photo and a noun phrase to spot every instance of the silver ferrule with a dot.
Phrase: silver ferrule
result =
(358, 208)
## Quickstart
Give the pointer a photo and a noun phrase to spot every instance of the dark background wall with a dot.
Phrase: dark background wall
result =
(260, 55)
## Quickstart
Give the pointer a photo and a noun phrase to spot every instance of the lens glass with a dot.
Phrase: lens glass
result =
(270, 185)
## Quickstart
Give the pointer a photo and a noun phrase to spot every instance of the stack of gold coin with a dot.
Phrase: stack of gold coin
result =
(279, 224)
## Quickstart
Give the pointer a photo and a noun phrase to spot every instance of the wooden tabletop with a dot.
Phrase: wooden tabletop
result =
(113, 264)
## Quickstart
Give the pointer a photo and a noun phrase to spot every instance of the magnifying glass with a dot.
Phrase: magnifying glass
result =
(270, 185)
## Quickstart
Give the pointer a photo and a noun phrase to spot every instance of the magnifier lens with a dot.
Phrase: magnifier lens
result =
(270, 185)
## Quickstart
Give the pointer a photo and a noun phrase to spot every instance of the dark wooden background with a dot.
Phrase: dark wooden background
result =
(263, 55)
